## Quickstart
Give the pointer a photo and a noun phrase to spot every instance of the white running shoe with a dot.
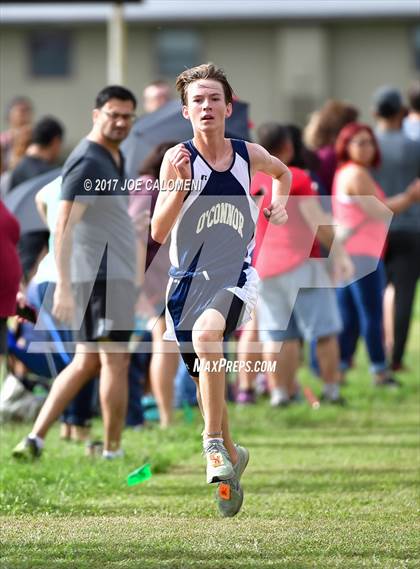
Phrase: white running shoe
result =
(112, 454)
(219, 467)
(279, 398)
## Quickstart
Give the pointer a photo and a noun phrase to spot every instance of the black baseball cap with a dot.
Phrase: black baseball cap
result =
(387, 101)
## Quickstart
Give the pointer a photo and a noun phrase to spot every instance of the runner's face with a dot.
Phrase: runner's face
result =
(206, 105)
(115, 119)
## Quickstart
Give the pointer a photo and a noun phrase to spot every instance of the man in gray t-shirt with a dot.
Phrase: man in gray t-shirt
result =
(400, 166)
(92, 178)
(95, 257)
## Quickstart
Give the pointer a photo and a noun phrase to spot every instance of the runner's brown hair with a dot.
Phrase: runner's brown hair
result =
(204, 71)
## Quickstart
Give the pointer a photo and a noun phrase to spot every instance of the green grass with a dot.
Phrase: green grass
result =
(324, 489)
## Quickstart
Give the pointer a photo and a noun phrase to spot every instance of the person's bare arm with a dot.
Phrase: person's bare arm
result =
(69, 214)
(317, 219)
(359, 183)
(321, 224)
(403, 201)
(262, 161)
(41, 206)
(175, 166)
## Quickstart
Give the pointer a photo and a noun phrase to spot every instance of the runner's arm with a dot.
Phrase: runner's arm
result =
(263, 161)
(176, 167)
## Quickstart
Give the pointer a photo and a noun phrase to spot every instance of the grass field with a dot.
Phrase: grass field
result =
(327, 488)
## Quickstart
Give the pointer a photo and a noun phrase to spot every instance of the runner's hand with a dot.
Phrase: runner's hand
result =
(276, 212)
(179, 157)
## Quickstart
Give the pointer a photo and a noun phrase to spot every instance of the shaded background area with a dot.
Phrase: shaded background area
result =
(284, 58)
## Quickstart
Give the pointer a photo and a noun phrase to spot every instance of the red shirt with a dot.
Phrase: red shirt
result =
(280, 249)
(11, 270)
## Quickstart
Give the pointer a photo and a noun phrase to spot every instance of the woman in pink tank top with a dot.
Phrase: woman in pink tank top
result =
(363, 215)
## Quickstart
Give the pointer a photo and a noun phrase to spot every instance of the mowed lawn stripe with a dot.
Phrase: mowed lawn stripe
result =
(334, 488)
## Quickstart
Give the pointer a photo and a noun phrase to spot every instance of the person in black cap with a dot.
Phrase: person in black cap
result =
(400, 166)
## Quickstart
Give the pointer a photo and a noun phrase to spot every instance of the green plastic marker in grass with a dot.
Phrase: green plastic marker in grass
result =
(188, 413)
(140, 475)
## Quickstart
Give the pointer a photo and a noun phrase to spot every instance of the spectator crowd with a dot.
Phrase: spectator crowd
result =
(343, 269)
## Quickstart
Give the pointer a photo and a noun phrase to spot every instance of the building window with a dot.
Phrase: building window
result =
(50, 53)
(176, 50)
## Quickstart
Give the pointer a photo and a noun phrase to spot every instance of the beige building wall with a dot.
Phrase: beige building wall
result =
(303, 76)
(140, 68)
(282, 70)
(365, 57)
(247, 55)
(69, 99)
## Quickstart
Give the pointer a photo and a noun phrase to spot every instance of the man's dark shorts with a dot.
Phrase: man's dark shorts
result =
(110, 310)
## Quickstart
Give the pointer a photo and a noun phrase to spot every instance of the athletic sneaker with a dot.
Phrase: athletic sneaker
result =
(245, 397)
(229, 493)
(339, 400)
(296, 397)
(243, 459)
(389, 381)
(112, 454)
(400, 367)
(219, 467)
(27, 449)
(261, 384)
(278, 398)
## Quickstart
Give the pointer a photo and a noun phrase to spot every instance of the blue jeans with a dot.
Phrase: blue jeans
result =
(360, 306)
(79, 411)
(136, 379)
(185, 390)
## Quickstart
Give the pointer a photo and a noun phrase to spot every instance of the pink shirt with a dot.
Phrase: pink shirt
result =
(365, 235)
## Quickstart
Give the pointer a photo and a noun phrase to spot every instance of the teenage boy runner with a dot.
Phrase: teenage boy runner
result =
(213, 285)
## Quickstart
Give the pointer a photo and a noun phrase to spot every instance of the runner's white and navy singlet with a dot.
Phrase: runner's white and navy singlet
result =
(212, 242)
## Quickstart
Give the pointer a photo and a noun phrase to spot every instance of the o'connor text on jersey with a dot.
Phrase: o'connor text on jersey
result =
(221, 213)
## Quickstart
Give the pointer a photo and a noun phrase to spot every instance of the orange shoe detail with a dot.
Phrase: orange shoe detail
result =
(224, 491)
(216, 459)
